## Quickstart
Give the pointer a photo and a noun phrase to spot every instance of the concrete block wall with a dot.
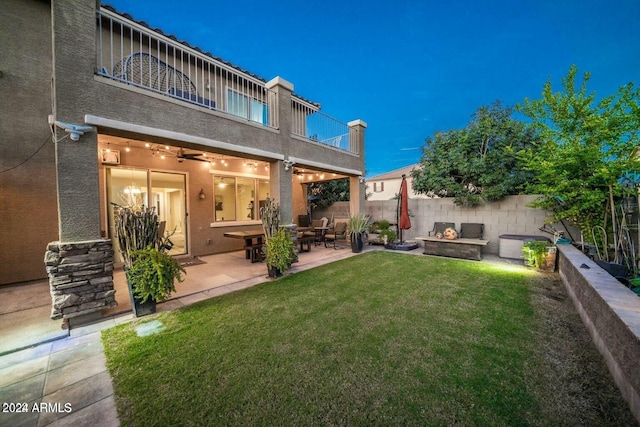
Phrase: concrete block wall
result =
(512, 215)
(611, 313)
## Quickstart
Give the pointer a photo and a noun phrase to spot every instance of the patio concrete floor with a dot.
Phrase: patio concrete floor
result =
(65, 370)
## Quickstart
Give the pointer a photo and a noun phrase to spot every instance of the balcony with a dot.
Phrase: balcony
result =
(133, 54)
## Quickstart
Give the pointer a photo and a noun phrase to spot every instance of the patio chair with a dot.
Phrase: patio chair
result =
(147, 70)
(439, 227)
(339, 232)
(318, 235)
(303, 220)
(470, 230)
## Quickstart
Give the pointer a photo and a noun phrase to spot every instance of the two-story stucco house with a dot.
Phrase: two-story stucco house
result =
(386, 186)
(98, 108)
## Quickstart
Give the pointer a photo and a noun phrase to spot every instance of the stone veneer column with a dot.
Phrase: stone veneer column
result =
(80, 264)
(80, 280)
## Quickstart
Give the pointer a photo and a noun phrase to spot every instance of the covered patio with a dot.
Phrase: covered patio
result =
(25, 308)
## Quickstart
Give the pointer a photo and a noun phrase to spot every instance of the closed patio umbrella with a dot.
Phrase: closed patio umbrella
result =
(404, 222)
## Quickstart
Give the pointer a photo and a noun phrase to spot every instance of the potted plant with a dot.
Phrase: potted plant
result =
(357, 225)
(152, 277)
(380, 233)
(279, 253)
(150, 271)
(279, 249)
(540, 254)
(270, 216)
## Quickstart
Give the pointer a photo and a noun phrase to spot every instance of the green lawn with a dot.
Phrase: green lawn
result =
(378, 339)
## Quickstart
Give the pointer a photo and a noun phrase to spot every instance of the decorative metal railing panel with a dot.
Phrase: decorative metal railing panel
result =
(133, 54)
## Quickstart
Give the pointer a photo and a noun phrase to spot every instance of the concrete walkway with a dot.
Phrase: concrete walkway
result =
(57, 377)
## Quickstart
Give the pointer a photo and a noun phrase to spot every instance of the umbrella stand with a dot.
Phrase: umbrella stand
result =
(403, 222)
(398, 229)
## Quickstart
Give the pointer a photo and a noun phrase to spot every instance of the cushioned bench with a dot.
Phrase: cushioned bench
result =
(458, 248)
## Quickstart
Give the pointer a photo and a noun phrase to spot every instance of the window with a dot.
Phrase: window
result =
(378, 187)
(235, 199)
(241, 105)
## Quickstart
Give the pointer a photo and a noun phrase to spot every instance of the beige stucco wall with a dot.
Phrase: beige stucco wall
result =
(28, 206)
(40, 204)
(391, 189)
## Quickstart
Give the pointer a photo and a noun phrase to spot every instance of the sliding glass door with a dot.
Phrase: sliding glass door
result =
(166, 191)
(168, 195)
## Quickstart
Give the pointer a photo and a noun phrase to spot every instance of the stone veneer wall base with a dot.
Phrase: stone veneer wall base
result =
(80, 280)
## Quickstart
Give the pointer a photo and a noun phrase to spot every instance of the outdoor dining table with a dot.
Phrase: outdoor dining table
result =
(248, 236)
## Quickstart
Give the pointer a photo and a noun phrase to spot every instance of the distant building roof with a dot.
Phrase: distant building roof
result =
(395, 173)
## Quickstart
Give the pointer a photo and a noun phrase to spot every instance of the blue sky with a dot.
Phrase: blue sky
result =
(411, 68)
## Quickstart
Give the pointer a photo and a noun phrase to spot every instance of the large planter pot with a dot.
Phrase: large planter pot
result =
(140, 308)
(274, 272)
(357, 243)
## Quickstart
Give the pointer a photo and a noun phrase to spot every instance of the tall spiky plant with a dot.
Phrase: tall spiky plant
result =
(270, 214)
(135, 229)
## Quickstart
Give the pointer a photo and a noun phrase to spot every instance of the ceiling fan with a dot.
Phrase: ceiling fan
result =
(181, 155)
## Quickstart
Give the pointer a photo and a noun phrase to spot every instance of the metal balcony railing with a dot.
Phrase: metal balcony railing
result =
(308, 122)
(136, 55)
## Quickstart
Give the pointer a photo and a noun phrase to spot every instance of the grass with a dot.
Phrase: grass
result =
(378, 339)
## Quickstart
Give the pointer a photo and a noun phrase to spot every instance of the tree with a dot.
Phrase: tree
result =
(478, 163)
(324, 194)
(584, 148)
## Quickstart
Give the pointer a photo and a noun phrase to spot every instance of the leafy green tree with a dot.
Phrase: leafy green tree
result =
(478, 163)
(584, 148)
(324, 194)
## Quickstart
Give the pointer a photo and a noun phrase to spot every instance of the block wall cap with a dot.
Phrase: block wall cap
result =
(357, 122)
(279, 81)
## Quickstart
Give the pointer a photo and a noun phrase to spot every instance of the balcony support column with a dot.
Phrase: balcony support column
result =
(357, 188)
(281, 176)
(80, 263)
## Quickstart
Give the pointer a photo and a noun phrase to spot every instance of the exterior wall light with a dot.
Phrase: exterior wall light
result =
(201, 194)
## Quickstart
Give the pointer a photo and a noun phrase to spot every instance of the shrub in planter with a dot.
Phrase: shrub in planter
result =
(382, 234)
(136, 228)
(153, 274)
(280, 252)
(150, 271)
(357, 225)
(388, 235)
(540, 255)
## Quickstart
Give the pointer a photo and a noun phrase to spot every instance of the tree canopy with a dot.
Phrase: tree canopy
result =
(325, 193)
(584, 148)
(479, 162)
